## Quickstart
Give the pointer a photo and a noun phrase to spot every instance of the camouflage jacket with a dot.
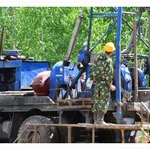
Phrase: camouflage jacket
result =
(102, 70)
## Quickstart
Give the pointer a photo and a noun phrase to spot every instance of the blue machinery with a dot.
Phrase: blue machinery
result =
(17, 74)
(62, 73)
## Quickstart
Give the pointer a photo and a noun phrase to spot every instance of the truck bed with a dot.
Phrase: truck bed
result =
(23, 101)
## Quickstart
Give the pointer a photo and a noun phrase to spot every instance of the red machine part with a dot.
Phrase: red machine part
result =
(40, 84)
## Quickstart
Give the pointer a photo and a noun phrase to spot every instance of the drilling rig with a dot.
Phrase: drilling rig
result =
(56, 106)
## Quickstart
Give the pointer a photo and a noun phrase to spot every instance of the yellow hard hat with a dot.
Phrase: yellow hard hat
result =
(109, 47)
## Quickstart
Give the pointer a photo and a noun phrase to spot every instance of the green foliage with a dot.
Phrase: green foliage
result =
(45, 32)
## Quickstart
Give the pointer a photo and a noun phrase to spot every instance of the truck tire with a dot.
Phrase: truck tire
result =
(45, 134)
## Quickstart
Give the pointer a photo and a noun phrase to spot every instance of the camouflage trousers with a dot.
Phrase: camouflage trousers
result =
(101, 97)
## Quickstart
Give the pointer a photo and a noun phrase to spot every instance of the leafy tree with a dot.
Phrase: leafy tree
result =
(45, 32)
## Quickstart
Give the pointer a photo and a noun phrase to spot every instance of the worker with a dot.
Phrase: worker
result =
(102, 74)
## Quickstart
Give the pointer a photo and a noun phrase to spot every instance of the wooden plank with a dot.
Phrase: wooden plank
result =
(70, 103)
(35, 134)
(147, 135)
(69, 134)
(122, 133)
(83, 102)
(100, 126)
(74, 100)
(147, 109)
(93, 135)
(135, 62)
(21, 133)
(73, 107)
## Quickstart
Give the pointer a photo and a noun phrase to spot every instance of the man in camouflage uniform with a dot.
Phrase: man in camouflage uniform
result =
(102, 73)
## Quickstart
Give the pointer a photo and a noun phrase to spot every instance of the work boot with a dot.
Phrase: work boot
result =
(100, 118)
(101, 122)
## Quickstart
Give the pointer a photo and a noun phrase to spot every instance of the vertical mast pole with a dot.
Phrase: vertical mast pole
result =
(118, 74)
(118, 78)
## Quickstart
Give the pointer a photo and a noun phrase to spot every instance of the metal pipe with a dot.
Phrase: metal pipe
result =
(126, 22)
(136, 33)
(110, 27)
(90, 29)
(84, 67)
(130, 44)
(135, 63)
(74, 36)
(118, 76)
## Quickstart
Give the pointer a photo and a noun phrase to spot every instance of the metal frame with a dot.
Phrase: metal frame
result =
(120, 127)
